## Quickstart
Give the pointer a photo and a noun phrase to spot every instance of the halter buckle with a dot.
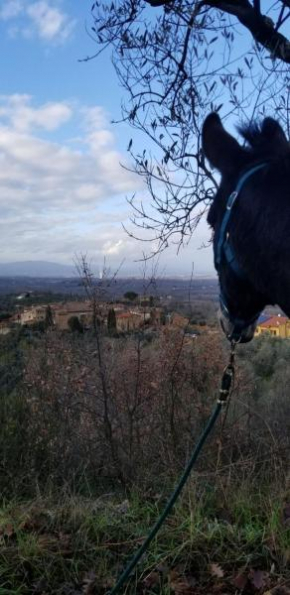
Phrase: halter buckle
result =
(227, 377)
(232, 199)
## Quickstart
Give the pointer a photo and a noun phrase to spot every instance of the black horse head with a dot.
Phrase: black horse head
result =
(250, 216)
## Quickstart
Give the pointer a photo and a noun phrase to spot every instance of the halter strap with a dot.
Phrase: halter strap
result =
(223, 245)
(225, 248)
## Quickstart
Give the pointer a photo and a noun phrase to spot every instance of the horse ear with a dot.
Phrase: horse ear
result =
(273, 133)
(221, 149)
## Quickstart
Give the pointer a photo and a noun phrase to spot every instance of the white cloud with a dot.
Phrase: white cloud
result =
(50, 23)
(94, 117)
(59, 198)
(112, 247)
(18, 110)
(41, 18)
(56, 200)
(11, 9)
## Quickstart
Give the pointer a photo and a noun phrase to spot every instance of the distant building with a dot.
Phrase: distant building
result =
(22, 296)
(276, 326)
(263, 318)
(128, 321)
(133, 319)
(5, 327)
(177, 320)
(32, 315)
(63, 312)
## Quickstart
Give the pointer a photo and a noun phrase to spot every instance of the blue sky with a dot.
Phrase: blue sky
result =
(62, 189)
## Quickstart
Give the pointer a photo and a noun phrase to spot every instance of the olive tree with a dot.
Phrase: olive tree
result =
(178, 60)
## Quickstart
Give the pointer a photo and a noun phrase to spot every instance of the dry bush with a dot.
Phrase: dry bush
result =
(128, 410)
(133, 420)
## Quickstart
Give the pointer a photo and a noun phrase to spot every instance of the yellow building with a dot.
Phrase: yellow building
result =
(276, 326)
(33, 314)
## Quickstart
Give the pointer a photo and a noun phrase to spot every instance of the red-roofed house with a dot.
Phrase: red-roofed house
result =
(277, 326)
(129, 321)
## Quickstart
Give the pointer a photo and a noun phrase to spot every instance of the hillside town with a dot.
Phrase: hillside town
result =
(61, 314)
(123, 317)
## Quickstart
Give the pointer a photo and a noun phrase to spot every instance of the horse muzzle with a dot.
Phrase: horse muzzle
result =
(236, 329)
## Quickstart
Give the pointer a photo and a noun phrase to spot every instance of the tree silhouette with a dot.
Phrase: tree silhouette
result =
(178, 60)
(48, 317)
(112, 322)
(75, 325)
(131, 295)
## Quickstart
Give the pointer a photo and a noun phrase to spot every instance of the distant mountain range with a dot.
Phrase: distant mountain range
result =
(39, 268)
(50, 277)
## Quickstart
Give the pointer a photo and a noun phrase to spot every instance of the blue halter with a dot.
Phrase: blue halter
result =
(225, 249)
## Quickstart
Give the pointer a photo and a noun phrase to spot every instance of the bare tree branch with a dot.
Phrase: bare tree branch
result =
(260, 26)
(176, 65)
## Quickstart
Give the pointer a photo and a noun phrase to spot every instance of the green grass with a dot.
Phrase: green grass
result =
(77, 546)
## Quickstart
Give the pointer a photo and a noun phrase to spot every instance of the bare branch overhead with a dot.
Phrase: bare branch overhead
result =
(262, 28)
(176, 64)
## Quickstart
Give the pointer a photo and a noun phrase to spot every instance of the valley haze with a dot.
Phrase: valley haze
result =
(43, 276)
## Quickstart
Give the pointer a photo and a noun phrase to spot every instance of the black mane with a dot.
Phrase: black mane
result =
(251, 133)
(264, 139)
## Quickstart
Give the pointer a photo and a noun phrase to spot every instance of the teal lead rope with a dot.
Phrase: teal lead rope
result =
(224, 391)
